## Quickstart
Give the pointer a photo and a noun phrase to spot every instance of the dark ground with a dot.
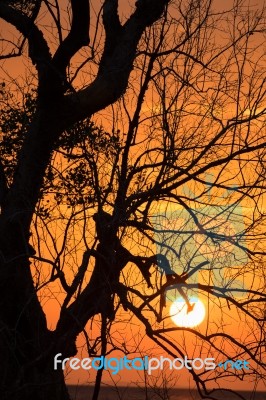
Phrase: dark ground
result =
(134, 393)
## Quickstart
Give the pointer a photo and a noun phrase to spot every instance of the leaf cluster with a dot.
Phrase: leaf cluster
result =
(15, 120)
(78, 153)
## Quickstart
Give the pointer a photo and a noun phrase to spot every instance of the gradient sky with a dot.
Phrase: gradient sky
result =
(51, 297)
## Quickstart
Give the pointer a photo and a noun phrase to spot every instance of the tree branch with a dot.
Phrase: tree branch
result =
(77, 37)
(113, 30)
(38, 48)
(120, 45)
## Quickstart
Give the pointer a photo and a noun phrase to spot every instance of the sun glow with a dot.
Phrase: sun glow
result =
(183, 317)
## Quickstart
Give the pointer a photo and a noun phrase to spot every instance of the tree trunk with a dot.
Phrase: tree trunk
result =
(26, 367)
(35, 383)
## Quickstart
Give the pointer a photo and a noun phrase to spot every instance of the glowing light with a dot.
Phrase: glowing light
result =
(183, 317)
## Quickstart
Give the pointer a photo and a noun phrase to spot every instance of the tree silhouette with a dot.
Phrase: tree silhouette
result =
(167, 202)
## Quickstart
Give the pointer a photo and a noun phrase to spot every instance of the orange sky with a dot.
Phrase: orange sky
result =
(51, 297)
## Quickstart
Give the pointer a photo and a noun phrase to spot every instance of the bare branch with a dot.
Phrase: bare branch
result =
(38, 47)
(77, 37)
(112, 78)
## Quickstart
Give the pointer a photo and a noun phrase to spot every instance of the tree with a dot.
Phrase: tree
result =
(139, 194)
(23, 322)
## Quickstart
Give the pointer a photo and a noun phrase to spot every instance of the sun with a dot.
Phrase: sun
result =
(184, 318)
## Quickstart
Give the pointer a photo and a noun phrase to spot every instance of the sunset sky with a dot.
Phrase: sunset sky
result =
(204, 102)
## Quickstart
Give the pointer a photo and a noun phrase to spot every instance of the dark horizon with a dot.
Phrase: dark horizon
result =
(82, 392)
